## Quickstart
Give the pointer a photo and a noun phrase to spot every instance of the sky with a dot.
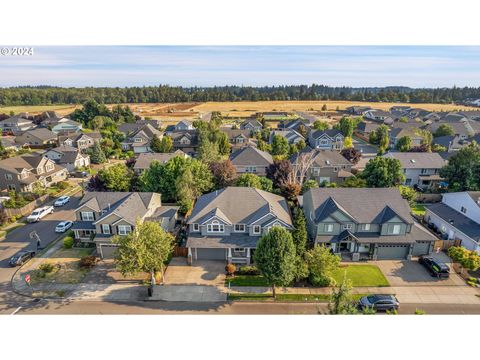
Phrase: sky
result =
(357, 66)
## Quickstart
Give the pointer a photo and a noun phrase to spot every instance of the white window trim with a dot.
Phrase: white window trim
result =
(87, 218)
(106, 227)
(366, 227)
(196, 227)
(347, 226)
(235, 228)
(215, 223)
(256, 227)
(328, 228)
(122, 229)
(396, 226)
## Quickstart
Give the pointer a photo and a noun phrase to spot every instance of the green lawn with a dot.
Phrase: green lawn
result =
(286, 297)
(361, 275)
(246, 280)
(418, 209)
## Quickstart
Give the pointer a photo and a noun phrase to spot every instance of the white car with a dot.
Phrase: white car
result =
(39, 213)
(62, 200)
(63, 226)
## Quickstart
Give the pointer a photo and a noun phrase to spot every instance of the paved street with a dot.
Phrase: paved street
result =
(19, 239)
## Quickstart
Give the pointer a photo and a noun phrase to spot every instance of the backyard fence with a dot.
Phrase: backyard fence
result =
(27, 209)
(180, 251)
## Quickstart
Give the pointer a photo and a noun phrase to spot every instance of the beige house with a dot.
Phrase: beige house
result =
(21, 173)
(37, 138)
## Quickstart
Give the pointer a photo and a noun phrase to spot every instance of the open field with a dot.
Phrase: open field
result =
(173, 112)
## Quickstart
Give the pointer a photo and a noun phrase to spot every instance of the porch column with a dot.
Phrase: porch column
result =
(375, 252)
(410, 252)
(189, 256)
(356, 254)
(248, 256)
(229, 256)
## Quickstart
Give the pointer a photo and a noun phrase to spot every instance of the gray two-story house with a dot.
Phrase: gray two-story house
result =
(250, 160)
(365, 223)
(331, 139)
(101, 215)
(226, 224)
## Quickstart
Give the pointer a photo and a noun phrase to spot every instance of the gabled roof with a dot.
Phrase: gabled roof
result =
(241, 205)
(288, 134)
(20, 162)
(253, 122)
(456, 219)
(365, 205)
(418, 160)
(324, 158)
(251, 156)
(400, 132)
(367, 127)
(145, 159)
(330, 133)
(41, 133)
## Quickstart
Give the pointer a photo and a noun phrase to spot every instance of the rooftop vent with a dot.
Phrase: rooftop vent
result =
(412, 161)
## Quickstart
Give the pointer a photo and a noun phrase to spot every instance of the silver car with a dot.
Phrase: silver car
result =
(63, 226)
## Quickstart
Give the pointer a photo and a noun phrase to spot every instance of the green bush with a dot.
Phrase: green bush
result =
(46, 267)
(88, 261)
(68, 242)
(248, 270)
(62, 185)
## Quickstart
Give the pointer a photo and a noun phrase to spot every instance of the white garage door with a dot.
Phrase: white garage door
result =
(107, 251)
(392, 252)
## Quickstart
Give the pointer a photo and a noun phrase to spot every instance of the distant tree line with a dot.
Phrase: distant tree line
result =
(46, 95)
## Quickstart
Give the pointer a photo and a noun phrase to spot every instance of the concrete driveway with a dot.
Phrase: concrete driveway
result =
(202, 282)
(200, 273)
(411, 273)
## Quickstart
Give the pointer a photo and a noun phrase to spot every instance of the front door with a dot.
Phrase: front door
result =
(345, 246)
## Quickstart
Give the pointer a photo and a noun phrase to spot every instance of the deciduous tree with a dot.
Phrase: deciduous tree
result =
(383, 172)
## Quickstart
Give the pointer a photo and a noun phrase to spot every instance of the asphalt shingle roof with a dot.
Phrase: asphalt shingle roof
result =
(251, 156)
(457, 219)
(418, 160)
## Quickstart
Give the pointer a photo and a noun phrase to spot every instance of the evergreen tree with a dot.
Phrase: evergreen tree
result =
(98, 156)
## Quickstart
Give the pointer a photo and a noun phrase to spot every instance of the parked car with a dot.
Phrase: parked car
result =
(21, 258)
(63, 226)
(379, 302)
(435, 268)
(39, 213)
(62, 200)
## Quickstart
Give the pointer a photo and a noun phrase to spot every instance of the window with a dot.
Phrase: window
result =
(396, 229)
(251, 169)
(215, 226)
(323, 142)
(137, 140)
(87, 216)
(463, 210)
(424, 171)
(196, 227)
(335, 169)
(408, 181)
(239, 228)
(257, 229)
(328, 228)
(124, 229)
(49, 167)
(8, 176)
(316, 171)
(347, 226)
(366, 227)
(105, 229)
(11, 187)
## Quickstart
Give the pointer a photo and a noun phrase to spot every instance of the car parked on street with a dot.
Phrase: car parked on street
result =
(62, 200)
(39, 213)
(63, 226)
(21, 258)
(379, 302)
(434, 267)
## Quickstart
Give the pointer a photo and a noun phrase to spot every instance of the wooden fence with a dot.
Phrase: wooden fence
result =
(180, 251)
(446, 244)
(27, 209)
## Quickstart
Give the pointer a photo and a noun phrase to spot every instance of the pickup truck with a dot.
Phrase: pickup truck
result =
(39, 213)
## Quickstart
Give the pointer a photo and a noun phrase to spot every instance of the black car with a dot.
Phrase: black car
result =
(21, 258)
(435, 267)
(379, 302)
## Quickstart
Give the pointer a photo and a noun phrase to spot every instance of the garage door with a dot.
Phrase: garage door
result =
(421, 248)
(107, 251)
(211, 254)
(390, 252)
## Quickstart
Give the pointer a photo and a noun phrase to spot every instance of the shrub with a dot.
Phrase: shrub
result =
(46, 267)
(88, 261)
(62, 185)
(68, 242)
(248, 270)
(420, 312)
(230, 269)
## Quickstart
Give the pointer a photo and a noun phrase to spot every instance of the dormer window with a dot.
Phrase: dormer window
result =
(396, 229)
(239, 228)
(463, 210)
(347, 226)
(196, 227)
(256, 229)
(137, 140)
(328, 228)
(365, 227)
(215, 227)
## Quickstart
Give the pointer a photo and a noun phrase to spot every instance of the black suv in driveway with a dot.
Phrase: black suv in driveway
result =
(21, 258)
(435, 267)
(379, 302)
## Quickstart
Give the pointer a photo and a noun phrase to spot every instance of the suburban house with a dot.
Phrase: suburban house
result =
(461, 125)
(331, 139)
(186, 141)
(69, 157)
(365, 223)
(37, 138)
(379, 115)
(397, 133)
(156, 123)
(128, 129)
(144, 160)
(79, 140)
(364, 129)
(451, 142)
(327, 166)
(226, 224)
(101, 215)
(16, 124)
(62, 125)
(291, 135)
(457, 217)
(21, 173)
(251, 160)
(357, 110)
(9, 144)
(139, 140)
(421, 169)
(238, 138)
(252, 125)
(183, 125)
(292, 125)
